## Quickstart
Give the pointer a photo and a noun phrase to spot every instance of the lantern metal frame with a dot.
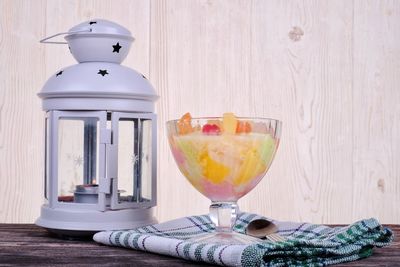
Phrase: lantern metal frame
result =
(98, 88)
(105, 138)
(107, 159)
(113, 172)
(66, 217)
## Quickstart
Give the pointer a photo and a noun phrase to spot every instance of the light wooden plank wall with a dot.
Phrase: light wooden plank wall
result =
(329, 69)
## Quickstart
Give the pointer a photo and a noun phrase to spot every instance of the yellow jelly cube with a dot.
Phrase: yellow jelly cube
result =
(229, 123)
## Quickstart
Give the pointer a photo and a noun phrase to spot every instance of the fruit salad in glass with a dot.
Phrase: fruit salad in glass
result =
(223, 158)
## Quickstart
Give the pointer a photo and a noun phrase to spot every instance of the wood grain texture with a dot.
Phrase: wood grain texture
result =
(302, 81)
(21, 122)
(328, 69)
(29, 245)
(376, 110)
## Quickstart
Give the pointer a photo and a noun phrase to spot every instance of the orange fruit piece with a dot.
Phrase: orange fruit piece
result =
(185, 124)
(243, 127)
(214, 171)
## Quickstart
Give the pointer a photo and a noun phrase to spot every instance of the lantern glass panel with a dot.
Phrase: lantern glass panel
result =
(78, 147)
(134, 160)
(126, 159)
(146, 163)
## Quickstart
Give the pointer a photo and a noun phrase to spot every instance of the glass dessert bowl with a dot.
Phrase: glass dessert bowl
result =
(223, 158)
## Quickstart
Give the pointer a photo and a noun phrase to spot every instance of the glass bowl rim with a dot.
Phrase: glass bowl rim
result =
(214, 118)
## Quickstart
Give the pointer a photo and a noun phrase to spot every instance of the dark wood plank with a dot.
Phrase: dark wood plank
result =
(29, 245)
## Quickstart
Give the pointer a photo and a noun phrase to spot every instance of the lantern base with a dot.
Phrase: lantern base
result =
(80, 223)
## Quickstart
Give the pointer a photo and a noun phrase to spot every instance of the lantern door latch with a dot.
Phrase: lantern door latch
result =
(105, 140)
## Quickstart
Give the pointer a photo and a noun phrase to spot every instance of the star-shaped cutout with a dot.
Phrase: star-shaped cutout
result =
(116, 47)
(134, 159)
(78, 161)
(103, 72)
(92, 22)
(59, 73)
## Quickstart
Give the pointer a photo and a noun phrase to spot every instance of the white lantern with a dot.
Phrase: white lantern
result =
(100, 154)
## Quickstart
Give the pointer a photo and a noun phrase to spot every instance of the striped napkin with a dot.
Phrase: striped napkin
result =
(306, 244)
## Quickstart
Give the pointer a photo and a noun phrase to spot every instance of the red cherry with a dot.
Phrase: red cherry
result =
(211, 129)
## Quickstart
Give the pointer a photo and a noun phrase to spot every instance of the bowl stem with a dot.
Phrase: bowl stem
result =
(223, 215)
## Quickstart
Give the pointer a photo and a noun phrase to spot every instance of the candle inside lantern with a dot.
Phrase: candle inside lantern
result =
(66, 198)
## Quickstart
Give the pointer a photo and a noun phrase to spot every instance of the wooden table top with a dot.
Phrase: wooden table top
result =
(29, 245)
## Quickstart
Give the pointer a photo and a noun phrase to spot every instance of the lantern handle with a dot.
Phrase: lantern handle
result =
(44, 41)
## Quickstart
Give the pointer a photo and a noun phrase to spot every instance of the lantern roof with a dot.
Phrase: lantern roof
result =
(98, 82)
(98, 79)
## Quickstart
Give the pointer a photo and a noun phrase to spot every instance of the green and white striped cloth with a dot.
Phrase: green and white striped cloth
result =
(305, 245)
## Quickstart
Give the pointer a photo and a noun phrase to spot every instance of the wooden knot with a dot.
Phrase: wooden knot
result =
(296, 33)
